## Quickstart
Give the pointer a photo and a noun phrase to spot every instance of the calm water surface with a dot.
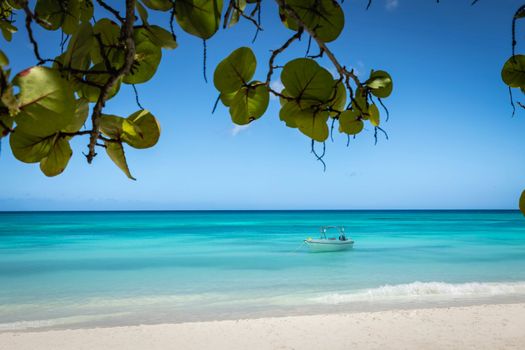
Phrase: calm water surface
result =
(76, 269)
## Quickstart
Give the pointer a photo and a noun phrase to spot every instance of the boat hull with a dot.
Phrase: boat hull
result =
(325, 245)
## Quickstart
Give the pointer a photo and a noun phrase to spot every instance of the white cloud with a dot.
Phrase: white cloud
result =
(238, 128)
(277, 86)
(391, 4)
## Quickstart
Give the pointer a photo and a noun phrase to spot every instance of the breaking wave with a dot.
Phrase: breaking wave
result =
(426, 291)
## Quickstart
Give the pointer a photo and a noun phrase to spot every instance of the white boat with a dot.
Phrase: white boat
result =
(327, 242)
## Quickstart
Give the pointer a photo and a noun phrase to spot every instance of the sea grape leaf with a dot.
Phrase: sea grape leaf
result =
(143, 13)
(47, 102)
(109, 33)
(235, 70)
(309, 121)
(80, 116)
(147, 130)
(7, 30)
(158, 36)
(360, 103)
(115, 127)
(140, 130)
(380, 84)
(373, 113)
(147, 59)
(513, 72)
(338, 103)
(115, 151)
(199, 17)
(50, 13)
(71, 16)
(236, 13)
(80, 44)
(249, 103)
(313, 124)
(227, 97)
(522, 202)
(159, 5)
(7, 121)
(90, 92)
(58, 157)
(325, 17)
(289, 112)
(349, 122)
(305, 79)
(4, 61)
(86, 10)
(29, 148)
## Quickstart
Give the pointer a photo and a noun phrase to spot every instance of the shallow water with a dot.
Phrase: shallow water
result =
(77, 269)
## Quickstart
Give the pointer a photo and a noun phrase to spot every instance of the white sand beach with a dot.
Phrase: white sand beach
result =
(472, 327)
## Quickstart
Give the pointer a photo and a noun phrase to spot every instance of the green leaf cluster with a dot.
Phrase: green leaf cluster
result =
(247, 100)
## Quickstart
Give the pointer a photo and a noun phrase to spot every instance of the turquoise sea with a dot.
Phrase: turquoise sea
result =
(78, 269)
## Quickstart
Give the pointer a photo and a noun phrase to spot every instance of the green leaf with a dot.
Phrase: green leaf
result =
(115, 151)
(47, 103)
(313, 124)
(236, 14)
(57, 158)
(310, 122)
(80, 116)
(147, 59)
(235, 70)
(513, 72)
(522, 202)
(72, 16)
(304, 79)
(140, 130)
(50, 13)
(7, 121)
(199, 17)
(7, 30)
(226, 98)
(324, 17)
(28, 148)
(109, 33)
(114, 126)
(349, 123)
(289, 112)
(158, 36)
(143, 13)
(90, 92)
(81, 43)
(380, 84)
(360, 103)
(249, 104)
(86, 10)
(147, 130)
(159, 5)
(338, 103)
(4, 61)
(373, 113)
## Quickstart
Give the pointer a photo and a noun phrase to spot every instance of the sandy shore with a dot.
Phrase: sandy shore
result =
(473, 327)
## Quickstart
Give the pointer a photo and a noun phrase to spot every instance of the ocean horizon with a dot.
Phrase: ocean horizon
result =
(75, 269)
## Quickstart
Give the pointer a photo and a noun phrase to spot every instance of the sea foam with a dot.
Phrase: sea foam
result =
(426, 291)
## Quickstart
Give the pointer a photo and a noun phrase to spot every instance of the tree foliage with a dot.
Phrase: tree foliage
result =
(55, 98)
(513, 75)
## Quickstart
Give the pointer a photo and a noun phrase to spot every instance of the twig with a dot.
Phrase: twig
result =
(112, 10)
(137, 96)
(127, 38)
(276, 52)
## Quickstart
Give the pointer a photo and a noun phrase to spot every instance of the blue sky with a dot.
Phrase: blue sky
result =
(453, 143)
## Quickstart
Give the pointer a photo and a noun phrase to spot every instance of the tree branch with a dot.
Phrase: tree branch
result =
(129, 44)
